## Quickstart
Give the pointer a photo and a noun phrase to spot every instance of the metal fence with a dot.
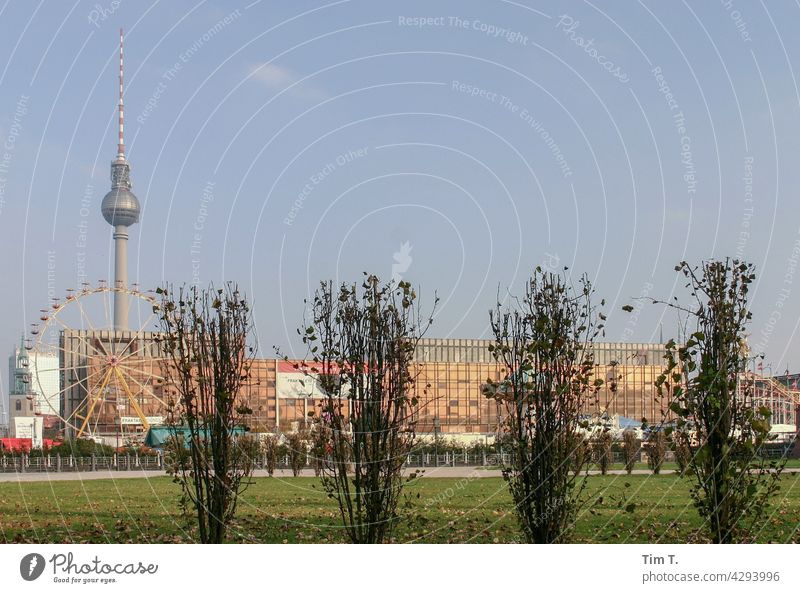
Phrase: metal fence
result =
(57, 463)
(71, 463)
(458, 459)
(419, 460)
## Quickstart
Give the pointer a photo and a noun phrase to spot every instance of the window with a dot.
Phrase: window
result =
(19, 406)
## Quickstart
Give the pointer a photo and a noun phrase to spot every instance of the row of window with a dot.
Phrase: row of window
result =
(477, 351)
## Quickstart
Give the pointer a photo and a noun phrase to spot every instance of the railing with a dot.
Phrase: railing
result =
(70, 463)
(122, 463)
(457, 459)
(59, 464)
(420, 460)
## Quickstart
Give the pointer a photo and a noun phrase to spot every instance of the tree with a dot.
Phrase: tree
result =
(580, 457)
(656, 448)
(630, 449)
(361, 342)
(205, 339)
(298, 451)
(318, 447)
(712, 396)
(545, 345)
(270, 450)
(602, 451)
(682, 450)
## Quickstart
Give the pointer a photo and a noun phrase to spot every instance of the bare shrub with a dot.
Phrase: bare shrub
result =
(630, 449)
(545, 344)
(205, 335)
(601, 449)
(361, 342)
(656, 448)
(297, 449)
(269, 448)
(713, 396)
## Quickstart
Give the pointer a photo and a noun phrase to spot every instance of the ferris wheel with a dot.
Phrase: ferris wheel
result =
(91, 380)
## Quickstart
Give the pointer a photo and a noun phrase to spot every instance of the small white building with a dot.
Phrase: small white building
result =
(29, 427)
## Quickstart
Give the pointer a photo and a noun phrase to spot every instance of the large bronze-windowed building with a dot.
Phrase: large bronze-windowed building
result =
(456, 370)
(450, 373)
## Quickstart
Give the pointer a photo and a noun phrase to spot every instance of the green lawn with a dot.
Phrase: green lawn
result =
(294, 510)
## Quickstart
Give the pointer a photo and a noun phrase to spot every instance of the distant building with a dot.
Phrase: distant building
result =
(29, 427)
(19, 405)
(790, 381)
(3, 411)
(19, 372)
(46, 383)
(37, 374)
(20, 398)
(792, 384)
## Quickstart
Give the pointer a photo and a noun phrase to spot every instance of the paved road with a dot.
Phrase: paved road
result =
(77, 476)
(429, 472)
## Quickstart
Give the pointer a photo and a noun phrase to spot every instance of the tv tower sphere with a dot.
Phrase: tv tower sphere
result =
(121, 207)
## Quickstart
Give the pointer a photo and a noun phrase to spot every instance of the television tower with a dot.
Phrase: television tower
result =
(121, 209)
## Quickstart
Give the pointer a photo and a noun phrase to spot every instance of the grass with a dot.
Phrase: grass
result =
(437, 510)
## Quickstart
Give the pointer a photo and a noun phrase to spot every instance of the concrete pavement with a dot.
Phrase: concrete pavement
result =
(427, 472)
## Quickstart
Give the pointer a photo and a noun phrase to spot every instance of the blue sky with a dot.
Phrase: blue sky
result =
(453, 144)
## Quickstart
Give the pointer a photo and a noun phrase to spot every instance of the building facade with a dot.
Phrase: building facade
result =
(21, 398)
(46, 383)
(450, 374)
(37, 374)
(453, 371)
(449, 378)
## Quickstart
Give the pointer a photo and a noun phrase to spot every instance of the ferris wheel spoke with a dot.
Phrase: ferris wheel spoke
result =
(154, 376)
(88, 319)
(43, 375)
(88, 416)
(148, 365)
(81, 381)
(145, 365)
(80, 337)
(97, 417)
(145, 388)
(105, 402)
(81, 384)
(132, 399)
(151, 306)
(122, 353)
(135, 335)
(133, 371)
(90, 347)
(90, 386)
(148, 359)
(47, 372)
